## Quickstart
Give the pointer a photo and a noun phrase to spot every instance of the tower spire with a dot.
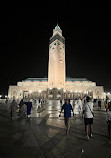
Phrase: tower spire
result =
(57, 27)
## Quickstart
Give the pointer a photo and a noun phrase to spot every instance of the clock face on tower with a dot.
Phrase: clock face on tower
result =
(61, 48)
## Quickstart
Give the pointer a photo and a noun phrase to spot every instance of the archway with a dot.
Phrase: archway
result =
(14, 94)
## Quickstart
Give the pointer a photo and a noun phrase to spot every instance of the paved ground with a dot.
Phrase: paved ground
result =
(44, 136)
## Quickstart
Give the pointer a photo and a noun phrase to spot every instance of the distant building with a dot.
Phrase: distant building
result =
(56, 86)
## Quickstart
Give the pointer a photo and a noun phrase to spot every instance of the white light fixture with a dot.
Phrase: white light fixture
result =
(108, 93)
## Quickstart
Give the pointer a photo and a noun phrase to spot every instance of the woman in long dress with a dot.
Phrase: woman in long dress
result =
(14, 109)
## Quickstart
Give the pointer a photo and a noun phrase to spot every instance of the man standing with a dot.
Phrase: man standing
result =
(88, 117)
(67, 107)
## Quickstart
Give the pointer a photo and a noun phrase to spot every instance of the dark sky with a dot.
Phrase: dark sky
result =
(25, 29)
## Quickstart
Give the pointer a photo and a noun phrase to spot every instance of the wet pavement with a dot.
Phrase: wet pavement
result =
(43, 136)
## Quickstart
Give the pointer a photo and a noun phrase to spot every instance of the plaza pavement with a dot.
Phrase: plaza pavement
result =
(43, 136)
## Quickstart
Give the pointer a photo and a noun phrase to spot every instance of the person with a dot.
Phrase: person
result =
(6, 101)
(60, 101)
(80, 105)
(108, 118)
(13, 107)
(88, 117)
(76, 108)
(29, 107)
(21, 103)
(39, 100)
(22, 108)
(99, 104)
(73, 103)
(67, 107)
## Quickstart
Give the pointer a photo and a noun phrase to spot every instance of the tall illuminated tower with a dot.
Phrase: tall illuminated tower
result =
(56, 72)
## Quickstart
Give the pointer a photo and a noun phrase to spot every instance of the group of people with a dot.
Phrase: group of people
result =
(22, 109)
(87, 114)
(85, 107)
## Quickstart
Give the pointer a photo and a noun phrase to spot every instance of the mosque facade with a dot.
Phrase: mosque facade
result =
(57, 85)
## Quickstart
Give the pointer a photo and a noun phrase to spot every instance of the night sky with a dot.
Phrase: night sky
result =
(25, 29)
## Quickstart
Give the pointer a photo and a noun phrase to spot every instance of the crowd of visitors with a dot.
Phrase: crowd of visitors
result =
(84, 107)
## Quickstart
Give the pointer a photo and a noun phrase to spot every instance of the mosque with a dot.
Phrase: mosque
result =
(57, 85)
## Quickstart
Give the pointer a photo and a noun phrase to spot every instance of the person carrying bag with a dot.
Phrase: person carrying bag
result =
(88, 117)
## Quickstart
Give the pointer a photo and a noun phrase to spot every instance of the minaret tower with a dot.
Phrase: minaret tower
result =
(56, 72)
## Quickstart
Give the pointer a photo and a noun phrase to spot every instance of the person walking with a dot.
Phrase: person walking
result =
(88, 117)
(80, 106)
(99, 104)
(67, 107)
(108, 118)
